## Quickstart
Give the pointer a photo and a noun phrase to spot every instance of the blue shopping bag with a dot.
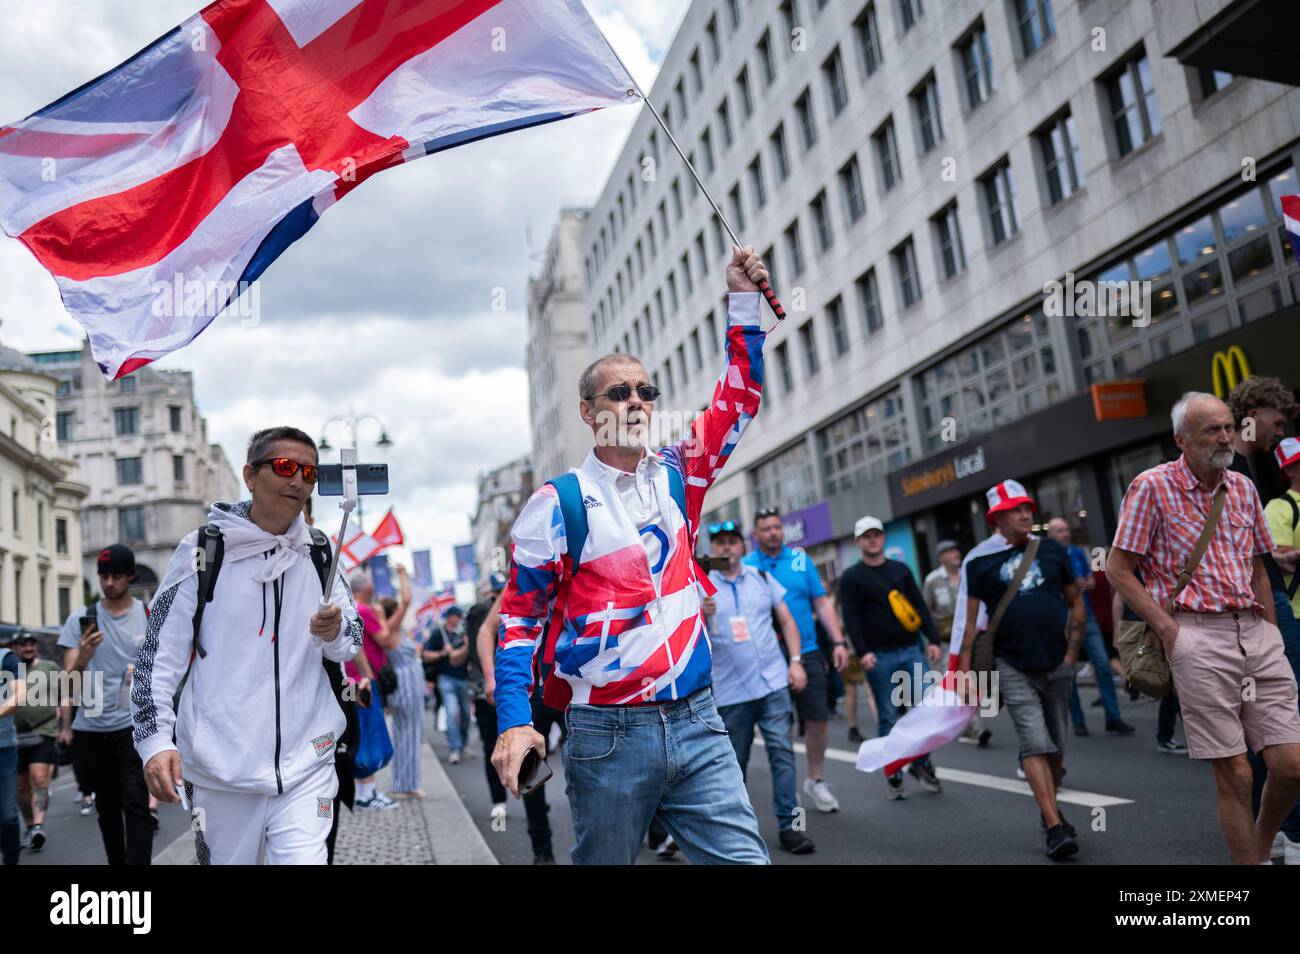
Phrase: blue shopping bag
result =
(375, 749)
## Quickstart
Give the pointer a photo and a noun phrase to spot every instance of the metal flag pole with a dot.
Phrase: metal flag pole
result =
(635, 90)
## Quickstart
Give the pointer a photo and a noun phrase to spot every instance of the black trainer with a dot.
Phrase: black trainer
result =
(985, 735)
(543, 857)
(1081, 729)
(895, 790)
(923, 772)
(37, 835)
(855, 736)
(796, 843)
(1060, 843)
(1119, 727)
(1042, 823)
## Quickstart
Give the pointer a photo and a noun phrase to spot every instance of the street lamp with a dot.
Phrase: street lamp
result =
(354, 420)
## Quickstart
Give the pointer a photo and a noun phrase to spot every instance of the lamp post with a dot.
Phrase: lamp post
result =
(354, 421)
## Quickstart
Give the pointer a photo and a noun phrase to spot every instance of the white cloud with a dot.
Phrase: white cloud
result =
(385, 306)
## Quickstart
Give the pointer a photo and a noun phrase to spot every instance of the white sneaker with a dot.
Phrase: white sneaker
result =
(1278, 848)
(454, 758)
(498, 811)
(1290, 851)
(820, 793)
(1020, 773)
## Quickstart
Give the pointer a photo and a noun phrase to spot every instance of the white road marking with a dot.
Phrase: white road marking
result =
(980, 779)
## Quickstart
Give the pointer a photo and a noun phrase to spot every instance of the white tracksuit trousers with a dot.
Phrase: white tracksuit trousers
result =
(235, 828)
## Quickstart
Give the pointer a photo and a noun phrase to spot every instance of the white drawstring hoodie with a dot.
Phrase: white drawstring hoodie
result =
(257, 713)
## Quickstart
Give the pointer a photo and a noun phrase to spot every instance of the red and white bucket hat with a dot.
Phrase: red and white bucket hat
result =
(1287, 452)
(1007, 495)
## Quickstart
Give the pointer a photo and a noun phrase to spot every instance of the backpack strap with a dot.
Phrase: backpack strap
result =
(321, 554)
(574, 513)
(1295, 520)
(209, 549)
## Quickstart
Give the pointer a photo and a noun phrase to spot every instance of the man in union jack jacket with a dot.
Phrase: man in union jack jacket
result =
(603, 601)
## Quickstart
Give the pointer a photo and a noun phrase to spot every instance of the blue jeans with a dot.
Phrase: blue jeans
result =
(455, 699)
(9, 842)
(772, 716)
(1290, 629)
(622, 764)
(910, 660)
(1094, 647)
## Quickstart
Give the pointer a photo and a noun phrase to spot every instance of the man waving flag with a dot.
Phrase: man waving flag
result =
(154, 193)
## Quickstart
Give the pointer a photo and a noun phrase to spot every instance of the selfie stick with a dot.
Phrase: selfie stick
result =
(348, 458)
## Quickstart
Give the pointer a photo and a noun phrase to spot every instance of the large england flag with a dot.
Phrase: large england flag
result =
(154, 193)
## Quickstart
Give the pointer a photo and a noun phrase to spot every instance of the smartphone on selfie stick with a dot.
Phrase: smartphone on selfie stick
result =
(347, 479)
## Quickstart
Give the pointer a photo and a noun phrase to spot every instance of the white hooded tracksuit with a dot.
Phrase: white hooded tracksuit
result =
(258, 721)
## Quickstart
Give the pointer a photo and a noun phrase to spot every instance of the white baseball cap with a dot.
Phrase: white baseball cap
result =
(867, 523)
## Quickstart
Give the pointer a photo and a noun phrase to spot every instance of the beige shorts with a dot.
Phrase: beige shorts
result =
(1234, 683)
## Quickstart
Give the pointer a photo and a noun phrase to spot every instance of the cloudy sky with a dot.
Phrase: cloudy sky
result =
(386, 306)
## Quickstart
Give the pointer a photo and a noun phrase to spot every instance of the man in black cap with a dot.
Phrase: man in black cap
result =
(103, 653)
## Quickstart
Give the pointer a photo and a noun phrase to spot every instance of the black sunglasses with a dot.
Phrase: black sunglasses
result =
(727, 527)
(621, 392)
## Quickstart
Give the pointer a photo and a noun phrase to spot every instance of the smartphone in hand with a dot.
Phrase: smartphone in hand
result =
(533, 773)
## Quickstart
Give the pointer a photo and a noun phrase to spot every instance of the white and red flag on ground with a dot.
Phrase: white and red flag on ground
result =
(942, 714)
(361, 546)
(187, 170)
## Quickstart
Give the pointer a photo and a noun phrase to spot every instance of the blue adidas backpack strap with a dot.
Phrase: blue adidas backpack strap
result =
(574, 513)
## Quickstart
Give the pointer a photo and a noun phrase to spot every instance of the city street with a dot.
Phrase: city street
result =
(1158, 809)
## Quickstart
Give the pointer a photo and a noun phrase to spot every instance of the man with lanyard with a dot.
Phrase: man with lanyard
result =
(1093, 643)
(804, 596)
(104, 656)
(750, 675)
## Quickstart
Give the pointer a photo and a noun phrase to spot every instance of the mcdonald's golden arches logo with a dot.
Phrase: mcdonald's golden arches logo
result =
(1228, 369)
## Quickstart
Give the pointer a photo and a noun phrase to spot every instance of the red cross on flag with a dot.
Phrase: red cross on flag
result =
(361, 546)
(155, 193)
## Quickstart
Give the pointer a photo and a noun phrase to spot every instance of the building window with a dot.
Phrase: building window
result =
(855, 203)
(780, 153)
(681, 363)
(929, 121)
(869, 301)
(711, 332)
(63, 422)
(839, 327)
(783, 369)
(126, 420)
(794, 248)
(724, 123)
(976, 66)
(65, 602)
(821, 221)
(677, 199)
(909, 11)
(1134, 113)
(1000, 203)
(769, 258)
(672, 292)
(174, 414)
(1061, 165)
(756, 187)
(130, 470)
(766, 62)
(888, 167)
(126, 386)
(837, 91)
(706, 152)
(1034, 20)
(737, 207)
(14, 499)
(864, 444)
(948, 243)
(40, 522)
(733, 13)
(789, 20)
(687, 278)
(711, 34)
(130, 523)
(1001, 377)
(906, 274)
(1212, 81)
(61, 535)
(64, 389)
(803, 112)
(867, 34)
(697, 357)
(786, 481)
(743, 94)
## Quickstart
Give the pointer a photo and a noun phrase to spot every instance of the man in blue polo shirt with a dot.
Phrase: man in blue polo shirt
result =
(751, 679)
(804, 596)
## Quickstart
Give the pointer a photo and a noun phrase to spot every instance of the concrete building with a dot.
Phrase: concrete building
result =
(142, 446)
(501, 493)
(558, 351)
(40, 500)
(917, 173)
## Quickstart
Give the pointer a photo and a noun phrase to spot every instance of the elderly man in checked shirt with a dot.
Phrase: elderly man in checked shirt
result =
(1223, 644)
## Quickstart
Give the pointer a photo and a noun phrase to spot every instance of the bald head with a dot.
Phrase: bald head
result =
(1059, 530)
(1203, 431)
(603, 373)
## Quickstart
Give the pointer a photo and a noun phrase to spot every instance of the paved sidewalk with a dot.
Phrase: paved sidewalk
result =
(436, 829)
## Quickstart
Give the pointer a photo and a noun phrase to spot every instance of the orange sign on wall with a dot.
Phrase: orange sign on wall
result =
(1113, 400)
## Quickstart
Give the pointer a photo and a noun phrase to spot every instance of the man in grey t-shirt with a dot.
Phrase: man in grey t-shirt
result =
(105, 656)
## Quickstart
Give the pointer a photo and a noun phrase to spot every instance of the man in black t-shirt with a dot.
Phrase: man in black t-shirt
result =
(884, 615)
(1035, 646)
